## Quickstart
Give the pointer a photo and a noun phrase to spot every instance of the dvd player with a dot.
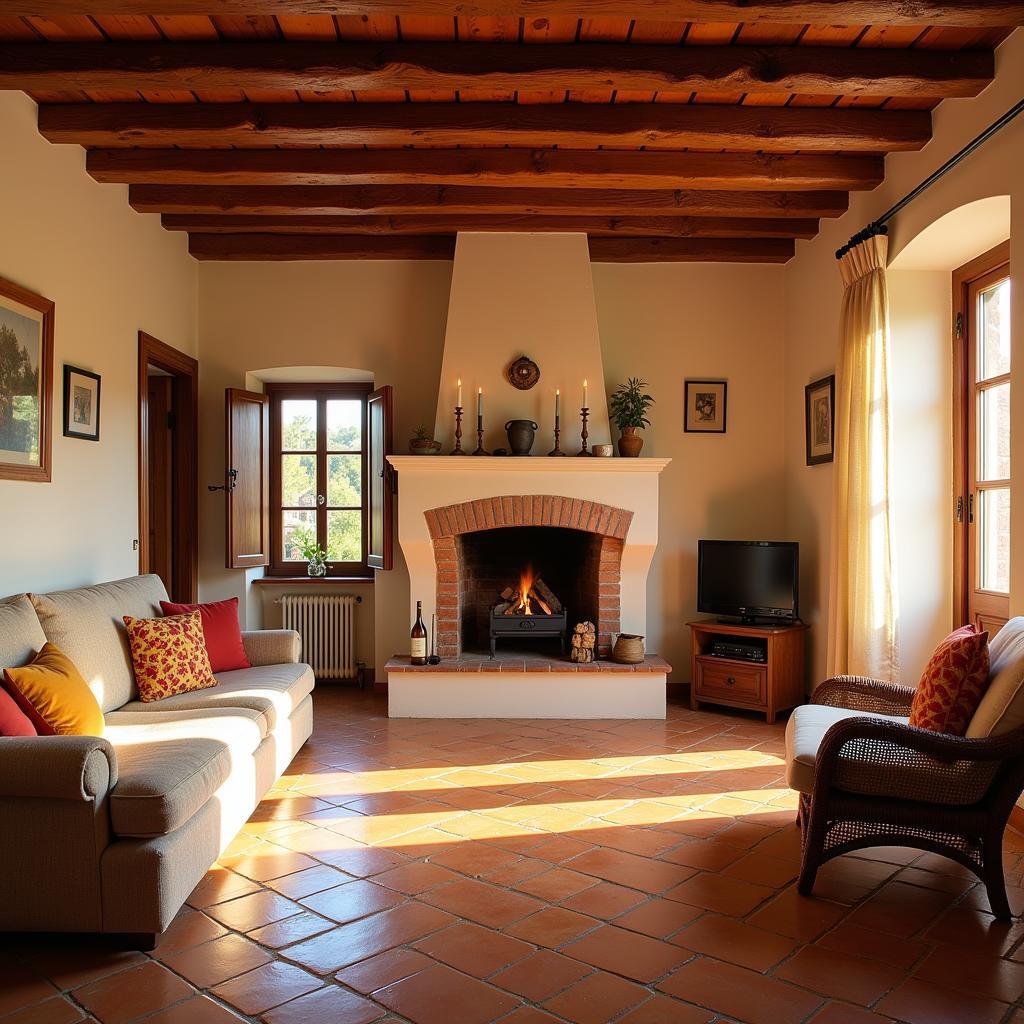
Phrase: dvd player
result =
(738, 651)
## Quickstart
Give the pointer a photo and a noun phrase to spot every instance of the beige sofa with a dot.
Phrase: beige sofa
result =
(111, 834)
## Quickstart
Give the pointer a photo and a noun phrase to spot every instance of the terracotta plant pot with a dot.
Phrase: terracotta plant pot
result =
(424, 446)
(630, 442)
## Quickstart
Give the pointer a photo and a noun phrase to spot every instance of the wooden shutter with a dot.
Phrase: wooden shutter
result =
(380, 492)
(247, 467)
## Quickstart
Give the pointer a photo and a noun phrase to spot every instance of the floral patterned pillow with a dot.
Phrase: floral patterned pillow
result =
(169, 655)
(953, 683)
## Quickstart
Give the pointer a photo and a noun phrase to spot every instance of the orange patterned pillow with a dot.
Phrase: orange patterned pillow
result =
(954, 681)
(169, 655)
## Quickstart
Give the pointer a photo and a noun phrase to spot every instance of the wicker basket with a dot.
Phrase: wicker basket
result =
(628, 649)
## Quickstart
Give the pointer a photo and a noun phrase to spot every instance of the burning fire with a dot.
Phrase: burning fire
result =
(527, 597)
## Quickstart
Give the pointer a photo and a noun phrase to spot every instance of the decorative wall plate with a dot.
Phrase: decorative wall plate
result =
(523, 373)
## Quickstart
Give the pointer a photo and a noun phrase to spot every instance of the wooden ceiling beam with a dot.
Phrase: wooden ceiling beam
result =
(569, 126)
(490, 167)
(321, 247)
(46, 67)
(667, 227)
(691, 250)
(457, 199)
(956, 13)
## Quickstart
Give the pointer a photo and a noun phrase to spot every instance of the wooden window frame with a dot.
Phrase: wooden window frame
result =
(966, 282)
(320, 391)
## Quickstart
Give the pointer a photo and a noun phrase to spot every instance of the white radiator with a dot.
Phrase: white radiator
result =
(326, 624)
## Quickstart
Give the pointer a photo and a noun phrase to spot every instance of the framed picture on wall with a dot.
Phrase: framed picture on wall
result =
(704, 406)
(81, 403)
(26, 383)
(819, 420)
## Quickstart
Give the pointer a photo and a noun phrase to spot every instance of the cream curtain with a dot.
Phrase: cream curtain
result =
(863, 615)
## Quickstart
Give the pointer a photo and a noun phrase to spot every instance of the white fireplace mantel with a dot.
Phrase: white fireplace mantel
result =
(436, 464)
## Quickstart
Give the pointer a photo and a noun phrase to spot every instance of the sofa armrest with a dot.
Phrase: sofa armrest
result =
(858, 693)
(272, 646)
(80, 768)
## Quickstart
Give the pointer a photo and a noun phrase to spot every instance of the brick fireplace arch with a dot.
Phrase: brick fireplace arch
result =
(448, 523)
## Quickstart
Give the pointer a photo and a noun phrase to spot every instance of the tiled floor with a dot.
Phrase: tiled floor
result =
(467, 872)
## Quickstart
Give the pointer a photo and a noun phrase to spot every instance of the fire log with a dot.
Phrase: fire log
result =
(547, 595)
(502, 608)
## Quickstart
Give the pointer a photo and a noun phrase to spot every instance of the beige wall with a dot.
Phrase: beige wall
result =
(111, 272)
(813, 295)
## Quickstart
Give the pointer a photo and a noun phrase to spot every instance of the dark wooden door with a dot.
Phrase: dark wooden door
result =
(381, 484)
(247, 468)
(160, 437)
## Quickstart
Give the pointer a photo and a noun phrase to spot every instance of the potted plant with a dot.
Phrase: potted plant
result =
(628, 408)
(423, 443)
(315, 556)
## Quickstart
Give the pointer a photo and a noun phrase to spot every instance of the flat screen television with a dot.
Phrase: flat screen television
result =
(748, 579)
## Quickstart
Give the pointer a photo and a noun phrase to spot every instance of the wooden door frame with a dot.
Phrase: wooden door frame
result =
(184, 370)
(963, 278)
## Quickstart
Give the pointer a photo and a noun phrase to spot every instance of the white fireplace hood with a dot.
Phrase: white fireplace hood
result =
(514, 295)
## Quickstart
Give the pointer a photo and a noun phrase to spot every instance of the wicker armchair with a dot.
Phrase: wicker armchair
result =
(877, 781)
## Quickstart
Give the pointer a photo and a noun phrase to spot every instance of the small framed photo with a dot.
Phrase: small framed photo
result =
(705, 406)
(26, 383)
(819, 420)
(81, 404)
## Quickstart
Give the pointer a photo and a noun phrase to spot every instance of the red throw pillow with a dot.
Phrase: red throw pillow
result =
(14, 721)
(954, 681)
(221, 631)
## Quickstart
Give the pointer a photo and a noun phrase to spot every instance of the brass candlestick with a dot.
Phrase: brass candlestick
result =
(556, 450)
(458, 450)
(584, 415)
(480, 450)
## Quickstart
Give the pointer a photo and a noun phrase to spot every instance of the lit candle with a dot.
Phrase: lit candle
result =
(459, 400)
(585, 393)
(480, 402)
(558, 402)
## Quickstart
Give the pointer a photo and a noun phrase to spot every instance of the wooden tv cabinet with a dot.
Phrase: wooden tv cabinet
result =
(768, 686)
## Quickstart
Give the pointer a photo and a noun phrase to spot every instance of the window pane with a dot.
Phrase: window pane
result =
(994, 331)
(344, 479)
(345, 536)
(298, 480)
(297, 527)
(994, 533)
(344, 425)
(994, 432)
(298, 425)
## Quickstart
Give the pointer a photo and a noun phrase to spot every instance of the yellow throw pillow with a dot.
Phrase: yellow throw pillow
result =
(54, 696)
(169, 655)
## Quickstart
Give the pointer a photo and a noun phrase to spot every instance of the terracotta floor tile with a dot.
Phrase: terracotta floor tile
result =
(658, 917)
(266, 862)
(919, 1002)
(630, 870)
(483, 903)
(307, 882)
(352, 900)
(974, 973)
(253, 911)
(440, 995)
(705, 854)
(415, 877)
(71, 966)
(605, 900)
(739, 943)
(552, 927)
(839, 975)
(473, 858)
(736, 992)
(975, 930)
(190, 928)
(889, 949)
(361, 861)
(763, 870)
(556, 884)
(800, 917)
(21, 985)
(843, 1013)
(901, 909)
(50, 1011)
(540, 976)
(531, 1015)
(266, 987)
(518, 871)
(291, 930)
(596, 999)
(217, 961)
(133, 993)
(197, 1010)
(721, 894)
(621, 952)
(383, 969)
(474, 950)
(331, 1005)
(220, 884)
(663, 1010)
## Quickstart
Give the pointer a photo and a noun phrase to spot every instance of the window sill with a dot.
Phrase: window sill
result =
(311, 581)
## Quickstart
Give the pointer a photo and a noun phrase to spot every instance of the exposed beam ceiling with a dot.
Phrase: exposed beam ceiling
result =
(666, 227)
(458, 199)
(531, 168)
(453, 66)
(965, 13)
(568, 126)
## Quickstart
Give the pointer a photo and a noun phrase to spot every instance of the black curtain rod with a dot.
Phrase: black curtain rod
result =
(878, 227)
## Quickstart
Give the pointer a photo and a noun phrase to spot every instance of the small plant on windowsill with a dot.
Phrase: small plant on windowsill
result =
(315, 556)
(628, 408)
(423, 443)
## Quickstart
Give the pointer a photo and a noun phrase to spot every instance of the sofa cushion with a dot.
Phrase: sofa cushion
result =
(168, 655)
(52, 693)
(221, 632)
(170, 765)
(953, 683)
(14, 721)
(86, 624)
(21, 636)
(274, 691)
(1002, 708)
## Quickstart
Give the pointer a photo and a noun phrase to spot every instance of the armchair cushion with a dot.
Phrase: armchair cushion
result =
(953, 683)
(1002, 708)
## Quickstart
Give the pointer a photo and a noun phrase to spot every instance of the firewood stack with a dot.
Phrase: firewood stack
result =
(539, 598)
(584, 643)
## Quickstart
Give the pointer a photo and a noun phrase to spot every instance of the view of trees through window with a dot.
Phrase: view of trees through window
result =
(335, 515)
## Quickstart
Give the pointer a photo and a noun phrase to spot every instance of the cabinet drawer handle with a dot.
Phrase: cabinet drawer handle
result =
(731, 680)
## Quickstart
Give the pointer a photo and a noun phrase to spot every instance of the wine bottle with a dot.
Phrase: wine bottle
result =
(418, 641)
